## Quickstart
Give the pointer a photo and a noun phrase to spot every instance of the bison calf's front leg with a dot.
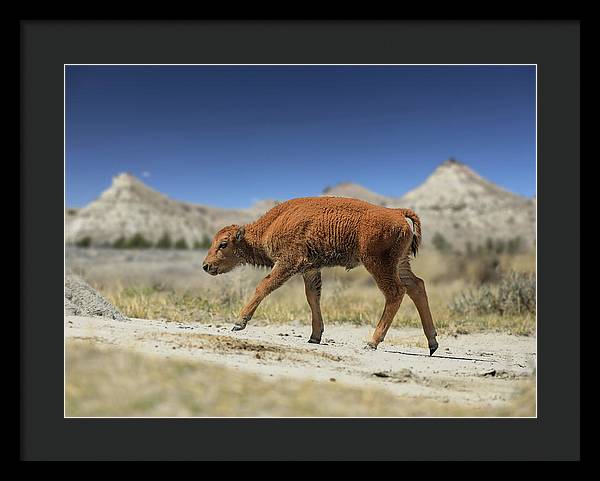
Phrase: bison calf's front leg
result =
(275, 279)
(312, 288)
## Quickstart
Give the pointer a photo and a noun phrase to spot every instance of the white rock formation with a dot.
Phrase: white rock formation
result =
(454, 201)
(461, 205)
(130, 207)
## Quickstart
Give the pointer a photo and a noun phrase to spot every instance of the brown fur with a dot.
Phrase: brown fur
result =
(302, 236)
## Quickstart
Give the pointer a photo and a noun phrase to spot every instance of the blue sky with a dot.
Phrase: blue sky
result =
(229, 135)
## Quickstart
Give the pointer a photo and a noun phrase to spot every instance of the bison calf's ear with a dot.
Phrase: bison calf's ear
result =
(239, 235)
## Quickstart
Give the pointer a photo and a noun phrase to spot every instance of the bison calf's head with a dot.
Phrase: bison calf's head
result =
(223, 254)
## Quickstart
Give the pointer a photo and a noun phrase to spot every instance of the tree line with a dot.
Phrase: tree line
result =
(491, 246)
(138, 241)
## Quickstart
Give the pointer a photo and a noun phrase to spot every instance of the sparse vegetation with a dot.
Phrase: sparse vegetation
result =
(348, 297)
(441, 244)
(84, 242)
(515, 245)
(120, 243)
(165, 241)
(181, 244)
(496, 246)
(138, 241)
(170, 285)
(158, 303)
(206, 242)
(481, 264)
(514, 295)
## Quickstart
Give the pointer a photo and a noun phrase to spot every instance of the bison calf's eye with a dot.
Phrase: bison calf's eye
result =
(222, 245)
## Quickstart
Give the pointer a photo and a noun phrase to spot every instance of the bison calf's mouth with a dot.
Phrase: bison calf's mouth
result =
(213, 271)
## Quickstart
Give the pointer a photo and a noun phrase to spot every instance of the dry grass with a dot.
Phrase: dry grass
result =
(174, 288)
(514, 294)
(106, 381)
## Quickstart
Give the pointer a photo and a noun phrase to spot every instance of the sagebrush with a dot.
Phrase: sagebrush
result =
(514, 294)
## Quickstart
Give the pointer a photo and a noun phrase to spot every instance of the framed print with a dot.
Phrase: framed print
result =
(344, 239)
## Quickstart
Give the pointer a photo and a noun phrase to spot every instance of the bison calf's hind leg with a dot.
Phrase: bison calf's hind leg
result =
(275, 279)
(415, 288)
(389, 284)
(312, 288)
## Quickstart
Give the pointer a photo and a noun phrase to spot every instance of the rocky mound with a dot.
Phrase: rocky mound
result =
(129, 207)
(82, 300)
(356, 191)
(462, 206)
(454, 186)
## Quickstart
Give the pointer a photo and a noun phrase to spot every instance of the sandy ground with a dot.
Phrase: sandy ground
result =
(483, 369)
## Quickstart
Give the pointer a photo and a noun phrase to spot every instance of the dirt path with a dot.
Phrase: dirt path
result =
(484, 369)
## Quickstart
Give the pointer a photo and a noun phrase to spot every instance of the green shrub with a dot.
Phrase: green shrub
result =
(500, 246)
(515, 245)
(491, 246)
(84, 242)
(472, 269)
(165, 242)
(441, 244)
(484, 269)
(138, 241)
(514, 294)
(120, 243)
(469, 248)
(205, 243)
(181, 244)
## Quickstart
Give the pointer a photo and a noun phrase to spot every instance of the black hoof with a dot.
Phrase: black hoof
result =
(371, 347)
(432, 350)
(314, 341)
(237, 327)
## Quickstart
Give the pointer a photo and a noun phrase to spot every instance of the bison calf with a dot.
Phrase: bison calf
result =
(302, 236)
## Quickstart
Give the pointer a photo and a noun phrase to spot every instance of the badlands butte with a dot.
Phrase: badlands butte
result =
(454, 202)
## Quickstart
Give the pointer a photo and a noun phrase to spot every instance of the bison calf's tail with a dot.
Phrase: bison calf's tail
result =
(416, 240)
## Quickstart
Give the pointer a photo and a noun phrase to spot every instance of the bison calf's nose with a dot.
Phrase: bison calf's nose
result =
(205, 267)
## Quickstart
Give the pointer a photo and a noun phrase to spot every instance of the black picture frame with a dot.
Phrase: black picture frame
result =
(46, 46)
